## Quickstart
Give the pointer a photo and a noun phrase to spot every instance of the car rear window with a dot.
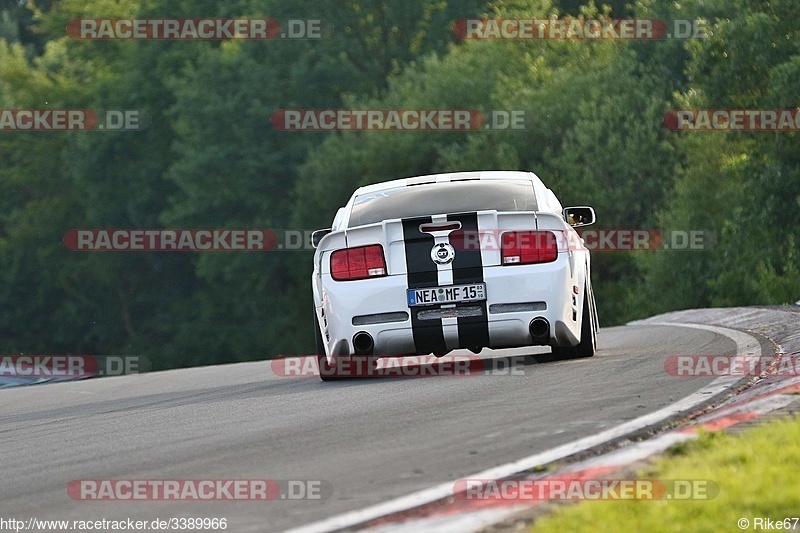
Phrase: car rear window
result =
(442, 198)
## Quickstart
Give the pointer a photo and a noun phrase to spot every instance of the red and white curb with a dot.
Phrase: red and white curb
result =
(432, 509)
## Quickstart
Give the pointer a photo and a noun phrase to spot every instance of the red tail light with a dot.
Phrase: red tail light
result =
(526, 247)
(358, 263)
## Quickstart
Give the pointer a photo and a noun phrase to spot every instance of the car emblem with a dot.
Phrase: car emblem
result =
(443, 253)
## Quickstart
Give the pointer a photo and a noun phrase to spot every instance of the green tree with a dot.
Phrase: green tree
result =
(742, 187)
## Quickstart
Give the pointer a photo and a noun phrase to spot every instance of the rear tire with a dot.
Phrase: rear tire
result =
(588, 344)
(326, 372)
(562, 353)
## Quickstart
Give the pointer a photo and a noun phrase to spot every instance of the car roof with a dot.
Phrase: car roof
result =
(451, 176)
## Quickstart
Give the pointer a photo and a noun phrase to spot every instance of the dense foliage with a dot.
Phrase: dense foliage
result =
(210, 158)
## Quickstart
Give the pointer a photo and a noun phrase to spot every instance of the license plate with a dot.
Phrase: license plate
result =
(447, 295)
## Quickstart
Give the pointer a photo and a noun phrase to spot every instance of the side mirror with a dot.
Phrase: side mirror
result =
(317, 236)
(579, 216)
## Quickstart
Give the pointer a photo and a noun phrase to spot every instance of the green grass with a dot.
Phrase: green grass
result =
(758, 474)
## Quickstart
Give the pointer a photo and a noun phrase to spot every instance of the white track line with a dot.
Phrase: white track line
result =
(746, 345)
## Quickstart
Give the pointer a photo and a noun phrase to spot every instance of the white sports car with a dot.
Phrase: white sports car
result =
(437, 263)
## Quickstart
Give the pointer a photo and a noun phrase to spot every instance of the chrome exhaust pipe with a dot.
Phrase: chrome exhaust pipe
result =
(363, 343)
(539, 328)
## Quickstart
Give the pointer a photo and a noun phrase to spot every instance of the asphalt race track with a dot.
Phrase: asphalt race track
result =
(371, 440)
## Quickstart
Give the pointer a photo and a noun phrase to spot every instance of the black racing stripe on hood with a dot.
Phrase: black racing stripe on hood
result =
(422, 273)
(468, 268)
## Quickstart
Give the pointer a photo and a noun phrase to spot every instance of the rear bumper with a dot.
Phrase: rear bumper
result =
(515, 296)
